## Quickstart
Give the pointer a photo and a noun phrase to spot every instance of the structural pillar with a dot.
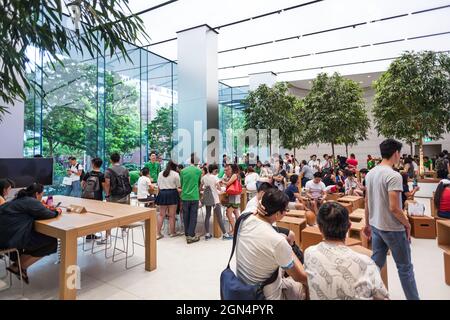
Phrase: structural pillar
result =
(12, 131)
(198, 109)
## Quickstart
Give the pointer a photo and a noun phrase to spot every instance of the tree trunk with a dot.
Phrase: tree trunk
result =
(332, 152)
(411, 149)
(346, 149)
(50, 147)
(421, 169)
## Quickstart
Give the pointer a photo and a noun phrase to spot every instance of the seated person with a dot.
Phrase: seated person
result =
(251, 178)
(363, 173)
(262, 252)
(406, 194)
(352, 185)
(17, 228)
(5, 188)
(336, 272)
(442, 199)
(316, 192)
(144, 186)
(329, 178)
(293, 193)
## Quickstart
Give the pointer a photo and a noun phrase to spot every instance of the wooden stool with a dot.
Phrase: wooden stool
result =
(422, 227)
(447, 267)
(296, 213)
(312, 236)
(355, 201)
(347, 205)
(296, 225)
(358, 215)
(356, 232)
(443, 234)
(334, 196)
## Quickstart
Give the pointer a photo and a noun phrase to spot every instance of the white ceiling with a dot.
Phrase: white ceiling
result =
(164, 22)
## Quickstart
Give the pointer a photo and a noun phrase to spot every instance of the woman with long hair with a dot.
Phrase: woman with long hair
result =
(234, 201)
(168, 197)
(442, 199)
(17, 228)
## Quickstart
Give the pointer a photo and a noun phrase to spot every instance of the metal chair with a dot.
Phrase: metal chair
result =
(7, 253)
(126, 229)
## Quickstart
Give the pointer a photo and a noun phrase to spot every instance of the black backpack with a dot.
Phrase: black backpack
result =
(120, 184)
(92, 186)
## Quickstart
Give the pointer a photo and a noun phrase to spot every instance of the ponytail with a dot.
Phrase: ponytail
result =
(30, 191)
(171, 166)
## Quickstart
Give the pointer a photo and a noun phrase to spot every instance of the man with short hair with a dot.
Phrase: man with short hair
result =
(293, 192)
(316, 192)
(154, 166)
(334, 270)
(386, 223)
(75, 172)
(442, 166)
(306, 173)
(352, 163)
(314, 164)
(117, 181)
(190, 178)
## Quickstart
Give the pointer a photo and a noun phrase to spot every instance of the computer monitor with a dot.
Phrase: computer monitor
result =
(24, 172)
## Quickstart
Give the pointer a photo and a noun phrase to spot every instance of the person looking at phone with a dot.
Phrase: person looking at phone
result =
(17, 219)
(316, 192)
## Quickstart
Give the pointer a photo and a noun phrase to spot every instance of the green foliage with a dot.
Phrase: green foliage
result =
(70, 119)
(39, 23)
(160, 131)
(334, 112)
(412, 98)
(273, 108)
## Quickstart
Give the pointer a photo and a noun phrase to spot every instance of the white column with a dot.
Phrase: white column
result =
(197, 89)
(255, 80)
(12, 132)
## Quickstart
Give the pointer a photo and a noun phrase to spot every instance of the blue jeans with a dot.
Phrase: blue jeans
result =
(400, 247)
(74, 190)
(444, 214)
(190, 212)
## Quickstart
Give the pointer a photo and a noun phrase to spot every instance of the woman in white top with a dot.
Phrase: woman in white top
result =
(210, 184)
(250, 182)
(169, 188)
(352, 187)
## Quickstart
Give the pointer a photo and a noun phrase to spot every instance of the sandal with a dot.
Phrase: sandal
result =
(160, 236)
(17, 273)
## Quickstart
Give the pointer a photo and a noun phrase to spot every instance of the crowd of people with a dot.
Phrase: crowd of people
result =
(329, 270)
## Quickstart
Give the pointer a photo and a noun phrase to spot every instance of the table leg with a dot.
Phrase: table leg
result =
(150, 243)
(68, 270)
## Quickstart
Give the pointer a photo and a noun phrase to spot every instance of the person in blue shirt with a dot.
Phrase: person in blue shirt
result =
(293, 193)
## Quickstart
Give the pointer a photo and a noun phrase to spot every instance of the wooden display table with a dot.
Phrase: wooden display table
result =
(356, 202)
(367, 252)
(443, 234)
(100, 216)
(431, 173)
(312, 236)
(296, 225)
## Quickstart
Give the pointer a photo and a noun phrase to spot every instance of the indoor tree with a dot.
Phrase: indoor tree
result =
(334, 112)
(412, 100)
(106, 26)
(272, 108)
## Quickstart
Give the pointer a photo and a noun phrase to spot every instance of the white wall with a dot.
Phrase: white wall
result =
(12, 132)
(362, 149)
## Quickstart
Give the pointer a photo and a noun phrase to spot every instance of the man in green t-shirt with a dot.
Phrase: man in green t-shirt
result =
(190, 196)
(134, 177)
(154, 166)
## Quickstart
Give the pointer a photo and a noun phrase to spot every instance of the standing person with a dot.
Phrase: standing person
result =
(386, 222)
(406, 193)
(370, 162)
(169, 187)
(234, 201)
(76, 173)
(190, 196)
(210, 186)
(314, 164)
(409, 168)
(327, 164)
(144, 186)
(117, 181)
(93, 185)
(442, 166)
(316, 192)
(279, 176)
(305, 172)
(5, 188)
(154, 166)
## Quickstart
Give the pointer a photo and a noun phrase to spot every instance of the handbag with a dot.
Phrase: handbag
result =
(233, 288)
(235, 188)
(208, 197)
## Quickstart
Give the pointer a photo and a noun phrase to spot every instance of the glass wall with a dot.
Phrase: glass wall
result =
(92, 107)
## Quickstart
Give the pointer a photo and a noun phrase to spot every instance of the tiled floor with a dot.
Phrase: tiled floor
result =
(193, 271)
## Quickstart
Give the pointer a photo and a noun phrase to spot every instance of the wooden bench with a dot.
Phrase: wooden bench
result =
(312, 236)
(356, 202)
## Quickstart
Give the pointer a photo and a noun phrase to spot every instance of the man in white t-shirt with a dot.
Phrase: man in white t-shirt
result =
(261, 251)
(316, 192)
(335, 271)
(75, 173)
(314, 163)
